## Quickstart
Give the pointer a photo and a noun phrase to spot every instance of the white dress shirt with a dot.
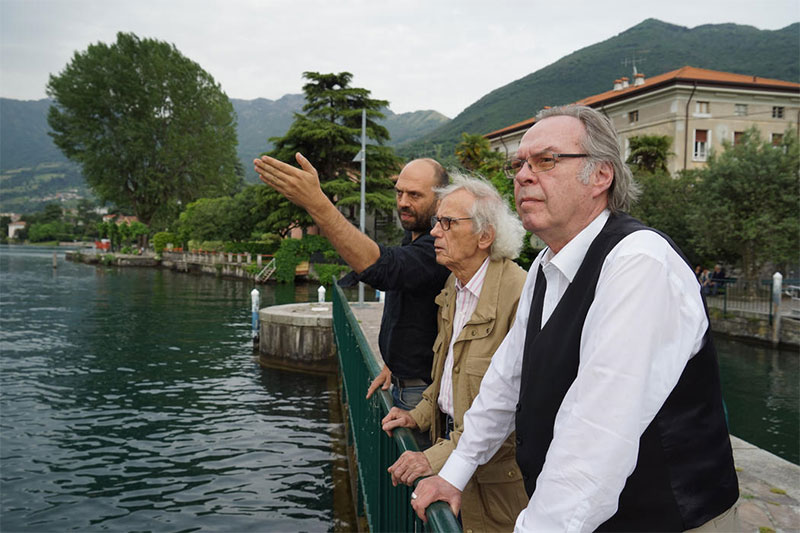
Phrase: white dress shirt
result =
(467, 297)
(645, 323)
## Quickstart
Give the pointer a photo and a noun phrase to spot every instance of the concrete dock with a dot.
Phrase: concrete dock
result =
(769, 487)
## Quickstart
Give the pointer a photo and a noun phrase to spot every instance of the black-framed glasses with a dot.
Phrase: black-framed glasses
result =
(537, 162)
(446, 221)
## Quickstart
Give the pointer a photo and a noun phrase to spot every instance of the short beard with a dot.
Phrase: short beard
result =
(421, 223)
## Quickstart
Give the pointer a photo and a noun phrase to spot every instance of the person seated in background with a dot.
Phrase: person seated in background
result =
(717, 280)
(476, 238)
(705, 281)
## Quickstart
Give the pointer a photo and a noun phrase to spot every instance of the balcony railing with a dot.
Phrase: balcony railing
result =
(385, 508)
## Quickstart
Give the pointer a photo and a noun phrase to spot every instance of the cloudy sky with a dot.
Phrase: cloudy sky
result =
(418, 54)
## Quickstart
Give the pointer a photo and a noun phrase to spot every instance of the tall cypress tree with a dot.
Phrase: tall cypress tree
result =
(328, 133)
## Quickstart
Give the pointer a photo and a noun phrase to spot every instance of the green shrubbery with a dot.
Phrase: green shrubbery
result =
(326, 271)
(161, 239)
(292, 252)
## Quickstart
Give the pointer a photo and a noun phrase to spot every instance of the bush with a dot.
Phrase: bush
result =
(326, 271)
(161, 239)
(294, 251)
(212, 246)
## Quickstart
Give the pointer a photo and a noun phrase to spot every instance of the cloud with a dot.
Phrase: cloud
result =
(417, 54)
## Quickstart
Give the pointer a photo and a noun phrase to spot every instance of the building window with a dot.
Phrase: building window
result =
(701, 108)
(777, 112)
(740, 110)
(701, 141)
(633, 116)
(737, 137)
(777, 139)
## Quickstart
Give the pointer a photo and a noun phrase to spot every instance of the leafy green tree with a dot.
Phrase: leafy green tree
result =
(649, 153)
(150, 128)
(668, 204)
(328, 133)
(475, 154)
(56, 230)
(225, 218)
(749, 200)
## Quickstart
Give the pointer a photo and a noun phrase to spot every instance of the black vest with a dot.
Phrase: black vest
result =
(684, 475)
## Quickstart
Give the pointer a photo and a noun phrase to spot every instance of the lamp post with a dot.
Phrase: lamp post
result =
(362, 156)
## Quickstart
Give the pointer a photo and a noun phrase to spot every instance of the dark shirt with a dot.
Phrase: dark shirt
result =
(411, 278)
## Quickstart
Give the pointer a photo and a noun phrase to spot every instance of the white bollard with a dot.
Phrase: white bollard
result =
(777, 289)
(321, 295)
(255, 300)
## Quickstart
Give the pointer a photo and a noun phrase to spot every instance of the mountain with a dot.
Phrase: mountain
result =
(657, 46)
(33, 171)
(406, 127)
(257, 121)
(260, 119)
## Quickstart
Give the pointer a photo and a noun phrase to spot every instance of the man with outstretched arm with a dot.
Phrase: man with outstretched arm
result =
(408, 273)
(609, 374)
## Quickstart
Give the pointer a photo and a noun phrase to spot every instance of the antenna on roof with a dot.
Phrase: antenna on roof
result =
(633, 61)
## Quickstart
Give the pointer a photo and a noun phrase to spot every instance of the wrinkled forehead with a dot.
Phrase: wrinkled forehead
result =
(560, 133)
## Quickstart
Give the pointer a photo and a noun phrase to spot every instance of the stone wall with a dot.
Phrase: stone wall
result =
(756, 328)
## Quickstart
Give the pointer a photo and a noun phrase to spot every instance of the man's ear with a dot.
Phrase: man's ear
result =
(602, 178)
(486, 239)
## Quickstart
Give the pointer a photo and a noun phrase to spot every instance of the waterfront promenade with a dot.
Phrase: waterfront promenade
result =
(769, 486)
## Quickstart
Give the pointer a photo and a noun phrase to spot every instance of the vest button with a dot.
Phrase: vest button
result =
(519, 407)
(519, 441)
(455, 370)
(510, 473)
(473, 332)
(525, 477)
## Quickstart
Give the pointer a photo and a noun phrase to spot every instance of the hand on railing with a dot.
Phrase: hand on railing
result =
(397, 418)
(434, 489)
(410, 467)
(383, 380)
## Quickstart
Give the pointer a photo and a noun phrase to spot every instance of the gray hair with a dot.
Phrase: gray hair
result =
(489, 210)
(600, 142)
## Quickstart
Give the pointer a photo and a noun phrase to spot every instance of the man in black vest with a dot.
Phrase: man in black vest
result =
(609, 374)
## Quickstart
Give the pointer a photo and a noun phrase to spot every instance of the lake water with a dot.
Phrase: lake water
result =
(130, 401)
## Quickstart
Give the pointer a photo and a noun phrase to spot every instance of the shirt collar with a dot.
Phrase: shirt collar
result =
(475, 284)
(569, 259)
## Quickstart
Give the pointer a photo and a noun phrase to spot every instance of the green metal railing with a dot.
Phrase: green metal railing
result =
(386, 508)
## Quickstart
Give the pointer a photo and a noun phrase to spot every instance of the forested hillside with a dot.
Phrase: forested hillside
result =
(658, 47)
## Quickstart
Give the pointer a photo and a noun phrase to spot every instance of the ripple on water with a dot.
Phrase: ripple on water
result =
(131, 402)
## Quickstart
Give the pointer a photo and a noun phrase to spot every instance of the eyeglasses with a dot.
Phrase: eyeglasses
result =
(446, 221)
(537, 163)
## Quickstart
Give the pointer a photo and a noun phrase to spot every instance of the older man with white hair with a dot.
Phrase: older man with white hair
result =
(476, 238)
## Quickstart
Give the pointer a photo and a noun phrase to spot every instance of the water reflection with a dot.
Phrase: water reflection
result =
(761, 386)
(131, 401)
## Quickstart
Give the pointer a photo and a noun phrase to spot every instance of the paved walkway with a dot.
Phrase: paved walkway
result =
(769, 486)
